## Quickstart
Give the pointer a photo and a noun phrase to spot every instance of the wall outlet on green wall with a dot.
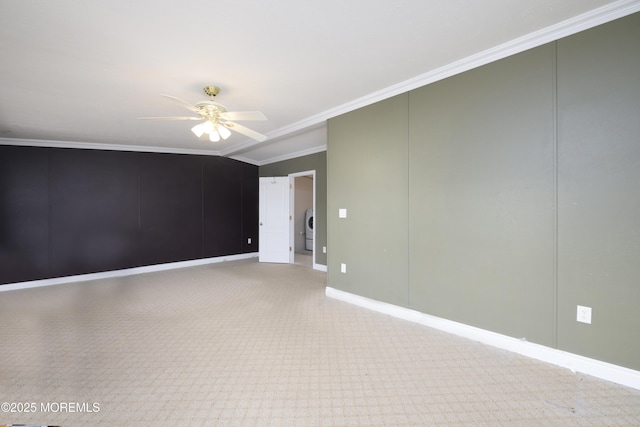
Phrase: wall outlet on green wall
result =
(584, 314)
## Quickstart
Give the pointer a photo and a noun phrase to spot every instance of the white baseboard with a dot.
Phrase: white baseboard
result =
(124, 272)
(320, 267)
(576, 363)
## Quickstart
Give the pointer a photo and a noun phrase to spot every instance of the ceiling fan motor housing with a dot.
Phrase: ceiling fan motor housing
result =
(211, 90)
(210, 110)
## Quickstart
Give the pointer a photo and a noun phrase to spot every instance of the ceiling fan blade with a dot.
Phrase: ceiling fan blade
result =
(181, 102)
(169, 118)
(245, 131)
(243, 115)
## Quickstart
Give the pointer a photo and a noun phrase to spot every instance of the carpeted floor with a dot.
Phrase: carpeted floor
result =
(249, 344)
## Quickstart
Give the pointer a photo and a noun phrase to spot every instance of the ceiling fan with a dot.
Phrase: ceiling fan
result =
(218, 122)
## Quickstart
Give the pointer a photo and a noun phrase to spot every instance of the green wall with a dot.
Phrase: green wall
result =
(367, 161)
(502, 197)
(482, 194)
(317, 162)
(599, 191)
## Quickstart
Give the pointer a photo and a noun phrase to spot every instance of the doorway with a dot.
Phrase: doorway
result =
(303, 203)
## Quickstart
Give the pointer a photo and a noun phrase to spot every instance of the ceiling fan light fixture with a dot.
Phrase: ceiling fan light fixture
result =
(224, 132)
(208, 127)
(217, 122)
(198, 130)
(214, 136)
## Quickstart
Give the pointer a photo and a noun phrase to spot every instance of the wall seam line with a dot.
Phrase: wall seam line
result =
(408, 142)
(202, 184)
(50, 214)
(555, 194)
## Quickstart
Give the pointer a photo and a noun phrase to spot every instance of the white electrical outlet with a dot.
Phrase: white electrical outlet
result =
(342, 213)
(583, 314)
(343, 268)
(249, 240)
(324, 249)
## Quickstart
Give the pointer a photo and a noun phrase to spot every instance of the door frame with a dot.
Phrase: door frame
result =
(292, 191)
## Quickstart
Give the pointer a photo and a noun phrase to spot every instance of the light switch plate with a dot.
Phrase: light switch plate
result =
(342, 213)
(343, 268)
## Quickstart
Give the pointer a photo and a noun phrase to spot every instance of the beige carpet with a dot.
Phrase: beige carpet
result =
(248, 344)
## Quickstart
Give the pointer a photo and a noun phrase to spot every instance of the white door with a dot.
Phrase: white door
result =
(274, 220)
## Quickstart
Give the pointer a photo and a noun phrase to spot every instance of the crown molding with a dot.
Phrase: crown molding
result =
(293, 155)
(593, 18)
(292, 130)
(549, 34)
(99, 146)
(245, 160)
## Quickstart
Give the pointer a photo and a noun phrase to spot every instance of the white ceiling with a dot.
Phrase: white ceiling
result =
(80, 73)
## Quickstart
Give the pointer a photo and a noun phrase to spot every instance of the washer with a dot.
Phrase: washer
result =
(309, 230)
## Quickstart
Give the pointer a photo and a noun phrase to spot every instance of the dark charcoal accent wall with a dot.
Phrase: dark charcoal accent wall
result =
(170, 207)
(66, 211)
(250, 203)
(221, 185)
(94, 211)
(24, 214)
